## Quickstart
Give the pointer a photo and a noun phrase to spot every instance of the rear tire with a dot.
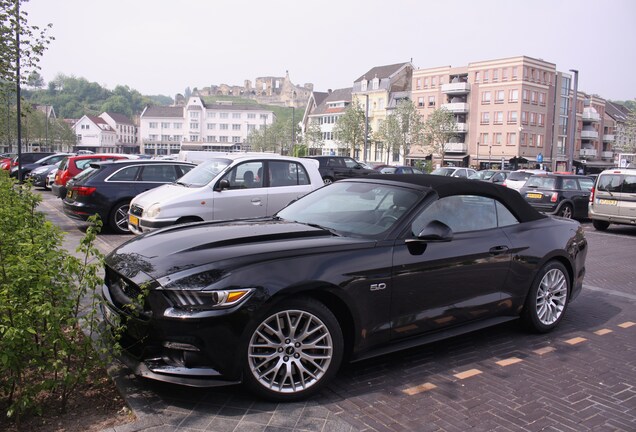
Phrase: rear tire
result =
(294, 351)
(327, 180)
(600, 225)
(547, 299)
(565, 211)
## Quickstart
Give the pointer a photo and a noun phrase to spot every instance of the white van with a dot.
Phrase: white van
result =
(613, 198)
(227, 186)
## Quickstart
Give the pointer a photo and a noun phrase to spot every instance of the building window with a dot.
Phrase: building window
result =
(499, 96)
(484, 138)
(224, 115)
(223, 139)
(533, 119)
(194, 138)
(177, 138)
(485, 118)
(511, 138)
(531, 140)
(236, 139)
(431, 101)
(194, 125)
(165, 125)
(236, 115)
(514, 72)
(251, 127)
(525, 96)
(177, 125)
(485, 97)
(251, 115)
(418, 83)
(486, 75)
(194, 114)
(533, 98)
(497, 138)
(433, 81)
(211, 114)
(504, 74)
(426, 82)
(420, 101)
(264, 116)
(539, 140)
(524, 117)
(541, 119)
(477, 76)
(210, 138)
(151, 125)
(211, 126)
(363, 85)
(224, 126)
(498, 117)
(375, 84)
(542, 99)
(512, 117)
(495, 75)
(524, 139)
(236, 127)
(513, 96)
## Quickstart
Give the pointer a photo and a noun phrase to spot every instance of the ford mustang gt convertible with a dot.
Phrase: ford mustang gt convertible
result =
(356, 269)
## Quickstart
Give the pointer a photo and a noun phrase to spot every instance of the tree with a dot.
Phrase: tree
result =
(312, 137)
(35, 80)
(402, 128)
(439, 128)
(349, 128)
(630, 131)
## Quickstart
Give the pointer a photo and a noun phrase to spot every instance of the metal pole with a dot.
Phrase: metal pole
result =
(478, 164)
(572, 137)
(17, 85)
(366, 128)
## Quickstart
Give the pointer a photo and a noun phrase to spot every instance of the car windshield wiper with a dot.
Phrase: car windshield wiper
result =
(314, 225)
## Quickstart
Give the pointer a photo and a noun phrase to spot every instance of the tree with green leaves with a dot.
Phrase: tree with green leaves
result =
(312, 137)
(349, 128)
(402, 128)
(439, 128)
(630, 131)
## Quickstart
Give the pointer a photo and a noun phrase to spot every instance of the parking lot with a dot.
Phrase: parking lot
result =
(580, 377)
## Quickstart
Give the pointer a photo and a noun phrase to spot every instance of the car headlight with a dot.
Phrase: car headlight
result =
(153, 211)
(208, 300)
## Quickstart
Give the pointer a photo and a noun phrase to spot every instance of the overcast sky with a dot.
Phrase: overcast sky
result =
(164, 46)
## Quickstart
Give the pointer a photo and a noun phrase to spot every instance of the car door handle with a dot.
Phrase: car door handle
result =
(498, 250)
(256, 201)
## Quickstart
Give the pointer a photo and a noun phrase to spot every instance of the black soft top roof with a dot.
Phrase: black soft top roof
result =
(446, 186)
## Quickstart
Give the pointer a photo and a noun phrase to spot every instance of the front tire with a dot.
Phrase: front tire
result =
(566, 211)
(548, 298)
(327, 180)
(294, 351)
(118, 220)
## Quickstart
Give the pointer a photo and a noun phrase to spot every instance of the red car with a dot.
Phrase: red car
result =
(73, 165)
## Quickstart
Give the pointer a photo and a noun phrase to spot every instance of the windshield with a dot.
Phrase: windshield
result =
(444, 171)
(541, 182)
(519, 175)
(204, 173)
(354, 209)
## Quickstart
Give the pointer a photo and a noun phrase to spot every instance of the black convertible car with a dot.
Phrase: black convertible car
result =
(355, 269)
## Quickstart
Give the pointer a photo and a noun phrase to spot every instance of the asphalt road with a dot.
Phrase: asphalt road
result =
(581, 377)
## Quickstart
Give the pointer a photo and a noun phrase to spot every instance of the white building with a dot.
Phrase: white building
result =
(324, 109)
(94, 134)
(126, 131)
(222, 126)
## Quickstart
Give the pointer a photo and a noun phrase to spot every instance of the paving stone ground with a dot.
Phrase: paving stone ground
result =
(581, 377)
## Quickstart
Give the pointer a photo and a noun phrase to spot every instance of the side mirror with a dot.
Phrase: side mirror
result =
(435, 231)
(222, 185)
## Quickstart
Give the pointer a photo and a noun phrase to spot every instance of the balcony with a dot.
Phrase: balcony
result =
(607, 155)
(450, 147)
(588, 153)
(456, 88)
(462, 127)
(589, 135)
(456, 107)
(609, 138)
(590, 115)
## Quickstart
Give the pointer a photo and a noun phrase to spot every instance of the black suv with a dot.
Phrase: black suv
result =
(559, 194)
(106, 188)
(334, 168)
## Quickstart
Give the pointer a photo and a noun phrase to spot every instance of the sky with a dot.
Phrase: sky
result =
(164, 46)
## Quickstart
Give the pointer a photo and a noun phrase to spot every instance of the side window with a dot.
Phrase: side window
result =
(629, 184)
(125, 174)
(183, 169)
(284, 173)
(461, 173)
(247, 175)
(504, 217)
(569, 184)
(586, 184)
(609, 183)
(460, 212)
(350, 163)
(158, 173)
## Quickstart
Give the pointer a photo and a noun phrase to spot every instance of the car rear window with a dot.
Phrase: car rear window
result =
(517, 176)
(541, 182)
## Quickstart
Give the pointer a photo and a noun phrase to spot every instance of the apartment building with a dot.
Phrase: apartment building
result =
(324, 110)
(95, 134)
(126, 132)
(222, 126)
(374, 91)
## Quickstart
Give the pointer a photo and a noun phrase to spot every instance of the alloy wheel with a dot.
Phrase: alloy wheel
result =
(552, 296)
(290, 351)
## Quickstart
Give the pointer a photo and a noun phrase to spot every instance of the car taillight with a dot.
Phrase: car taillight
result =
(554, 197)
(84, 190)
(592, 194)
(504, 183)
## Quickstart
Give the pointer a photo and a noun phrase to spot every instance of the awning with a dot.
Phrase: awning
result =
(595, 163)
(456, 158)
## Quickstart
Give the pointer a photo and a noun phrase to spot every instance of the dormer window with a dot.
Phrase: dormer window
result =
(375, 83)
(363, 85)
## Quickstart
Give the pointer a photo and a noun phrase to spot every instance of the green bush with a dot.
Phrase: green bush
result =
(49, 305)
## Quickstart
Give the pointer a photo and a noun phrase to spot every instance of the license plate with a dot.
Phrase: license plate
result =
(534, 195)
(607, 202)
(134, 220)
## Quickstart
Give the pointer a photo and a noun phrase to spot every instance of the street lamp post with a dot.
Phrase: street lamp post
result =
(572, 137)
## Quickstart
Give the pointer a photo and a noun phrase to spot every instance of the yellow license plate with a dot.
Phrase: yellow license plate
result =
(534, 195)
(607, 202)
(134, 220)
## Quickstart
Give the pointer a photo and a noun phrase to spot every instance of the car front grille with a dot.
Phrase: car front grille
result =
(136, 210)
